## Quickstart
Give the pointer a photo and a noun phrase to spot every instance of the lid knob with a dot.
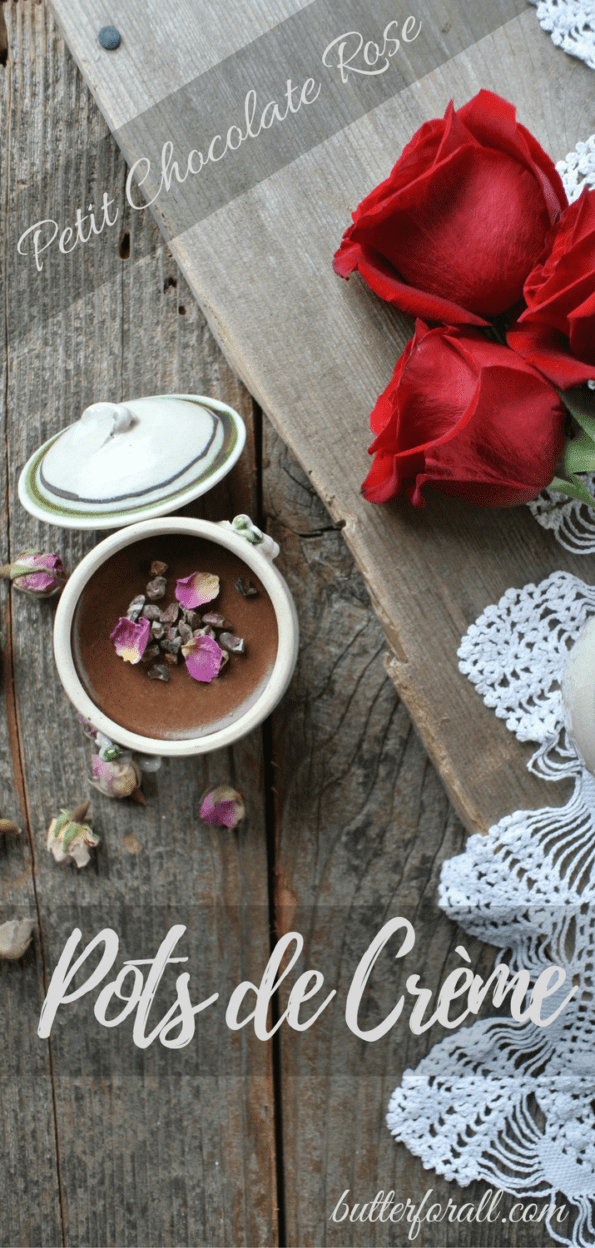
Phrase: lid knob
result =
(99, 414)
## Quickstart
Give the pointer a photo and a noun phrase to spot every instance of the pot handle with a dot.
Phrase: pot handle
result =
(243, 526)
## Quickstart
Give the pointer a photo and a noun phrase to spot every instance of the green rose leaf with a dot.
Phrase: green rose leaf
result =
(573, 488)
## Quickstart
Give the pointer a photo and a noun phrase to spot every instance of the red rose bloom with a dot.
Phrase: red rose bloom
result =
(466, 416)
(557, 332)
(463, 218)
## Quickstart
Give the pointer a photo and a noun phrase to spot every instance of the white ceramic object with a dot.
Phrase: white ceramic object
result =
(125, 462)
(578, 694)
(257, 557)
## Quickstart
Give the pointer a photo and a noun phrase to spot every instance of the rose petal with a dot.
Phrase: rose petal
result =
(131, 639)
(197, 588)
(37, 583)
(203, 658)
(475, 174)
(468, 417)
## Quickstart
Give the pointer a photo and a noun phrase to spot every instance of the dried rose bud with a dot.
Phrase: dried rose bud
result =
(197, 588)
(216, 620)
(131, 639)
(7, 826)
(223, 807)
(115, 779)
(135, 607)
(158, 672)
(236, 644)
(203, 658)
(70, 838)
(151, 612)
(156, 588)
(15, 938)
(171, 613)
(38, 575)
(158, 568)
(246, 588)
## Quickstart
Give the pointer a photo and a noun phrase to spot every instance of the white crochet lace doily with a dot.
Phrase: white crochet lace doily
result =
(507, 1102)
(571, 24)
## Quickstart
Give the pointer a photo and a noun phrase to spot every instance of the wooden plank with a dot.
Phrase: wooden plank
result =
(152, 1149)
(316, 351)
(29, 1192)
(363, 826)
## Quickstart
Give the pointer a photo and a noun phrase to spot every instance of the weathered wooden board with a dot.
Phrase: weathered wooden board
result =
(180, 1151)
(255, 241)
(29, 1190)
(363, 826)
(149, 1150)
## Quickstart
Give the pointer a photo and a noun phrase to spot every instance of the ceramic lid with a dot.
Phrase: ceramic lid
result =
(130, 461)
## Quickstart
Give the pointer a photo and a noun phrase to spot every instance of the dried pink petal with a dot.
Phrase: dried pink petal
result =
(203, 658)
(197, 588)
(131, 639)
(223, 807)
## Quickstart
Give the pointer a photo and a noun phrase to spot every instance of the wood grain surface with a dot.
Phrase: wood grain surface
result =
(315, 351)
(148, 1152)
(229, 1142)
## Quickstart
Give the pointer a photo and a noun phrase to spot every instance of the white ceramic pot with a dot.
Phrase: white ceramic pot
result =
(257, 557)
(578, 693)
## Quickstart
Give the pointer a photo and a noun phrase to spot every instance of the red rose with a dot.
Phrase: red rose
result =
(468, 417)
(463, 218)
(557, 332)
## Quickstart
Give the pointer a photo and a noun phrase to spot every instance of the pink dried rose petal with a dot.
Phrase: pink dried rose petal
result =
(223, 807)
(131, 639)
(197, 588)
(203, 658)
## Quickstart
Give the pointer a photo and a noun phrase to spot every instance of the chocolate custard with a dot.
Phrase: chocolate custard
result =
(183, 707)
